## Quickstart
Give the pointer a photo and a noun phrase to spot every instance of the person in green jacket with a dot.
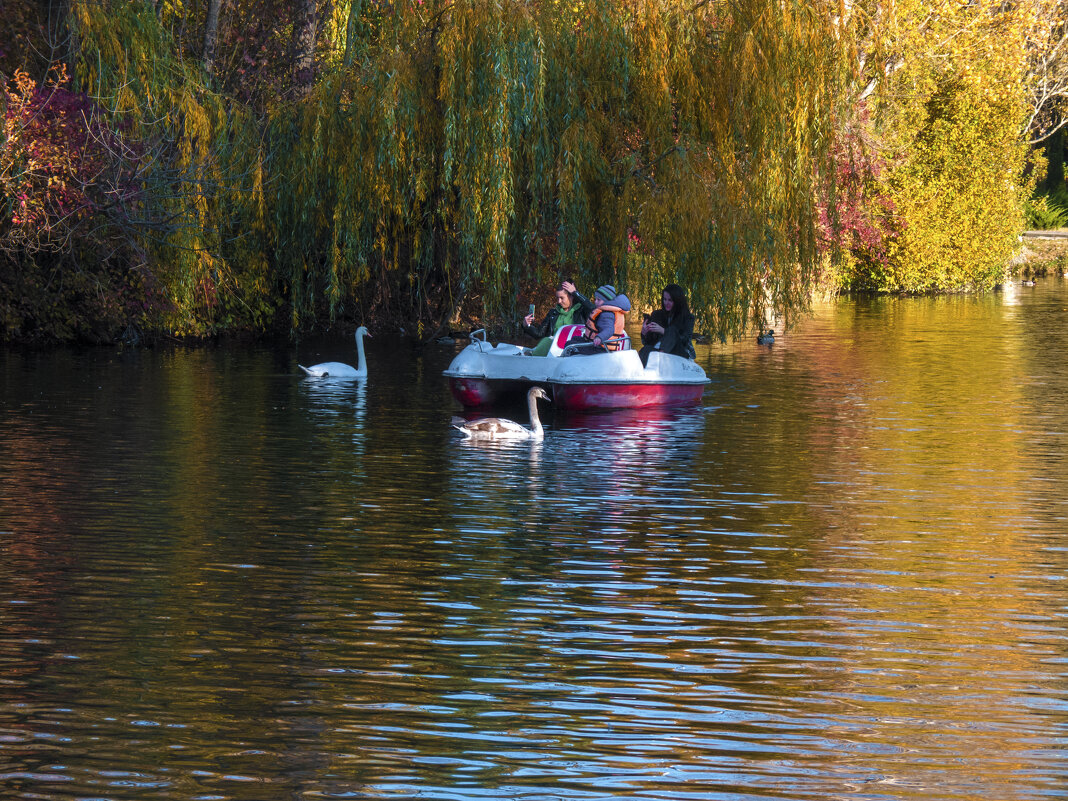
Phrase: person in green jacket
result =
(571, 307)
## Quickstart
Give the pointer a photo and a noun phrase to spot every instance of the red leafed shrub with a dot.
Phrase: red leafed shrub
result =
(60, 163)
(860, 217)
(67, 193)
(856, 217)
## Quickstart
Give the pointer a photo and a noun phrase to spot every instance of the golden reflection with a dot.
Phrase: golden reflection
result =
(845, 566)
(928, 574)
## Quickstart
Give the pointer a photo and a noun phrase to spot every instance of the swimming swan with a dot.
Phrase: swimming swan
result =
(340, 369)
(766, 338)
(499, 428)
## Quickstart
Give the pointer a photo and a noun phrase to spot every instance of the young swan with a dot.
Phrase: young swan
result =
(499, 428)
(340, 369)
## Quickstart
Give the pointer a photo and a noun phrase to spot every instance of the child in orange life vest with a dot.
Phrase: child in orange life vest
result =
(606, 320)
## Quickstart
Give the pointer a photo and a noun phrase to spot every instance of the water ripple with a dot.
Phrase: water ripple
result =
(842, 578)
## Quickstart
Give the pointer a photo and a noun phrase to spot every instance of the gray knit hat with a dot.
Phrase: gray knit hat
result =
(607, 292)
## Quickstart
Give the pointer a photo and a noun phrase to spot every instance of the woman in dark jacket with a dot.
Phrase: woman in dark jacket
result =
(571, 307)
(669, 329)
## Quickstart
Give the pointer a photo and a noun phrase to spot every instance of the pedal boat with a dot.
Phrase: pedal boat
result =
(484, 374)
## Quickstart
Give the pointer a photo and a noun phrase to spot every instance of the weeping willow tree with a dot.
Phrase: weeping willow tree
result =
(738, 107)
(471, 147)
(201, 216)
(456, 152)
(406, 166)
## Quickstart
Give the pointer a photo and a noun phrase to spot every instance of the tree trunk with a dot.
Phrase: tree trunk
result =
(304, 46)
(350, 30)
(211, 33)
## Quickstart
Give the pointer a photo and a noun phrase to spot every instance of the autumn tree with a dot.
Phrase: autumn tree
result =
(69, 197)
(948, 86)
(1047, 68)
(449, 153)
(203, 174)
(480, 145)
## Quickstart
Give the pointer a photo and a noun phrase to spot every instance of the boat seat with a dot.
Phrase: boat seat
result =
(573, 347)
(563, 337)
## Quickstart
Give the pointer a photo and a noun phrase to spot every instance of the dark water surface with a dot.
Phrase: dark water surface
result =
(843, 577)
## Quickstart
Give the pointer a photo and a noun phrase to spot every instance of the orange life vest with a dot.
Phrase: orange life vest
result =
(620, 316)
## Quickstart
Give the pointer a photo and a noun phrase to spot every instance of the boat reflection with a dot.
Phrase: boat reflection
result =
(649, 419)
(592, 470)
(652, 435)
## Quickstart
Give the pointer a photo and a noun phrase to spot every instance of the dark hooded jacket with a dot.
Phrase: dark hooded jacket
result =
(677, 336)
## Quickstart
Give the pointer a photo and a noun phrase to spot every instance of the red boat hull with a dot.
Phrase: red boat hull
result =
(472, 392)
(625, 396)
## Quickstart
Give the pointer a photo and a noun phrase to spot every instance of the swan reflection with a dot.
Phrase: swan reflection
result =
(594, 460)
(340, 406)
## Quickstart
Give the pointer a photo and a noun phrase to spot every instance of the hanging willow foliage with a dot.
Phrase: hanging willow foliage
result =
(457, 150)
(479, 144)
(203, 215)
(406, 166)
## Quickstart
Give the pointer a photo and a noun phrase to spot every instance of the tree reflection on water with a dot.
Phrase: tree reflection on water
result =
(839, 576)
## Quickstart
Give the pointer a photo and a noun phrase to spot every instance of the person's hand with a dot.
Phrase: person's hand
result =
(529, 319)
(597, 341)
(654, 328)
(568, 286)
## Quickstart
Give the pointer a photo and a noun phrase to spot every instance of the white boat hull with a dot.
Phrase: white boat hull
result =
(483, 374)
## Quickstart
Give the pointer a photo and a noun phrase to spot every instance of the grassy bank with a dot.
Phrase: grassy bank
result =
(1041, 255)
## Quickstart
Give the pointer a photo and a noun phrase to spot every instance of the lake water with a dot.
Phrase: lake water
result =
(843, 576)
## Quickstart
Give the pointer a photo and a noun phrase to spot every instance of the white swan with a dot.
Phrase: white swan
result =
(499, 428)
(340, 369)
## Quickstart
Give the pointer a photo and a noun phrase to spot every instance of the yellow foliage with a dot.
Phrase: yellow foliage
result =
(481, 141)
(476, 145)
(950, 111)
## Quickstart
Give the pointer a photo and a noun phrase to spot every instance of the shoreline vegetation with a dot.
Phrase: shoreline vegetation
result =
(1042, 253)
(241, 168)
